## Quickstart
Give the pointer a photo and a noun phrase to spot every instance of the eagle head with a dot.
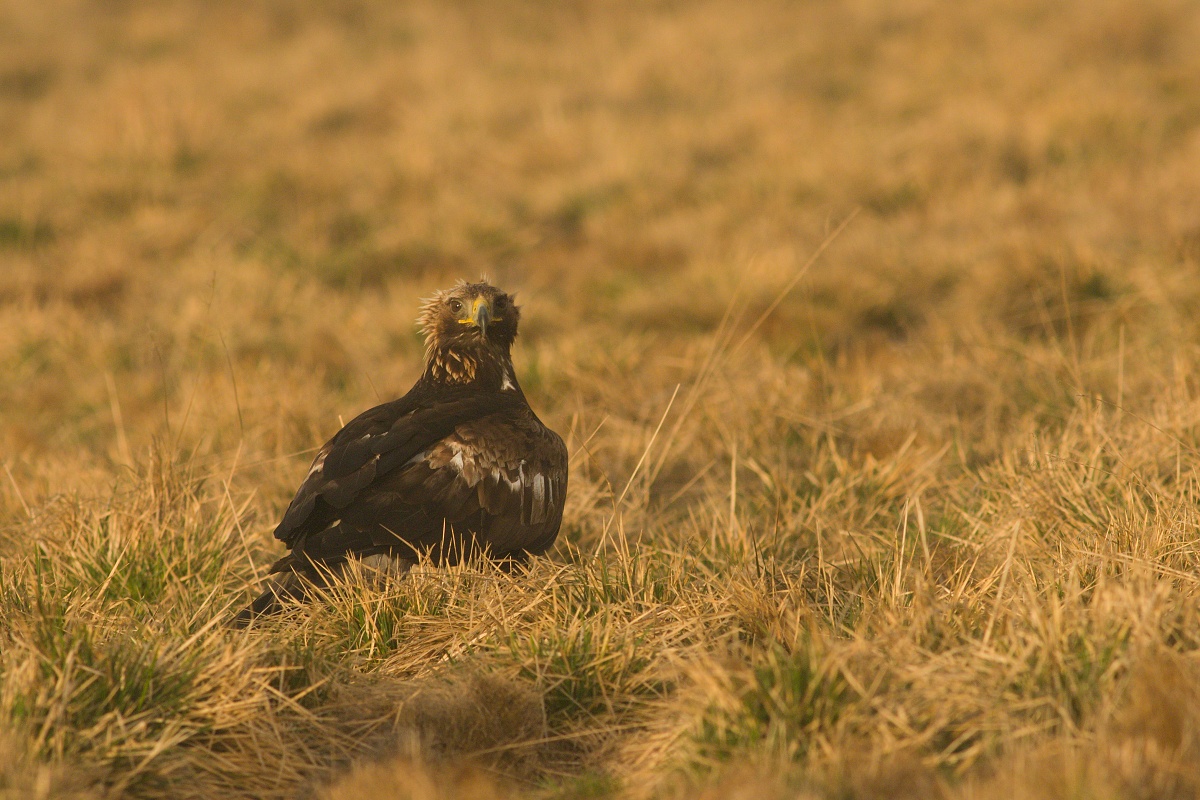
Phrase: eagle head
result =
(469, 330)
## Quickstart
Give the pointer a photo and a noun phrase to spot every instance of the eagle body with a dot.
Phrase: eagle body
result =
(458, 467)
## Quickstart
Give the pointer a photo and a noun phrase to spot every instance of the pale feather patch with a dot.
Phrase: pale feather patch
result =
(538, 512)
(534, 491)
(317, 464)
(384, 565)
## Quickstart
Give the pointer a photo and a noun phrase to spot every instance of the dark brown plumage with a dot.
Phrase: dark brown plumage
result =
(459, 466)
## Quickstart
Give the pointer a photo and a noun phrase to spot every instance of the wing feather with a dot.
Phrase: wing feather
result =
(340, 492)
(393, 433)
(402, 475)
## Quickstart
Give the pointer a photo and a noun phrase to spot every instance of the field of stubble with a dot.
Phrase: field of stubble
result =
(873, 329)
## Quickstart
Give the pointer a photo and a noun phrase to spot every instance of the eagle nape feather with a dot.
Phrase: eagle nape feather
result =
(460, 467)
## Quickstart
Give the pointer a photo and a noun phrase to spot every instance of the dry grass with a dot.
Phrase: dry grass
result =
(918, 521)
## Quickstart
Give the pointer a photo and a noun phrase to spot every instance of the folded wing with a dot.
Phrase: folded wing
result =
(477, 472)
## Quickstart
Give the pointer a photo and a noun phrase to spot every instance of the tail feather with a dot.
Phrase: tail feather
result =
(285, 587)
(288, 585)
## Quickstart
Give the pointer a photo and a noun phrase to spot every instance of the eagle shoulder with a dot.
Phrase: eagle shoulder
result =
(504, 464)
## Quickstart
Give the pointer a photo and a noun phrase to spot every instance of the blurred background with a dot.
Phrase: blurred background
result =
(217, 218)
(918, 505)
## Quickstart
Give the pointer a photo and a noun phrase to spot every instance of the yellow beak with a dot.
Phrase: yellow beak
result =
(481, 314)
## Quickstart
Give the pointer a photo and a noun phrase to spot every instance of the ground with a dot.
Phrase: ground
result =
(873, 329)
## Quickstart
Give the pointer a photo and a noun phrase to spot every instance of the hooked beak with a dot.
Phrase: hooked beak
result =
(481, 314)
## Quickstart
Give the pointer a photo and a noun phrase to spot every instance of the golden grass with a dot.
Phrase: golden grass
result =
(917, 520)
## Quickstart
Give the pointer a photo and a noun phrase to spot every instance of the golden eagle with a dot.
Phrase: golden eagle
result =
(459, 466)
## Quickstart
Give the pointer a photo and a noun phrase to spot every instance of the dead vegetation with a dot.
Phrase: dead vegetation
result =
(915, 519)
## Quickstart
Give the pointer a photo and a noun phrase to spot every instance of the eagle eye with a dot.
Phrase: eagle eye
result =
(455, 306)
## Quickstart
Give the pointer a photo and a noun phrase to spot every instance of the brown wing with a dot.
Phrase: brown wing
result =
(493, 481)
(374, 444)
(505, 479)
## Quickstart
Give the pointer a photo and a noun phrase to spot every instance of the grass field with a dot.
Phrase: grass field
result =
(873, 328)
